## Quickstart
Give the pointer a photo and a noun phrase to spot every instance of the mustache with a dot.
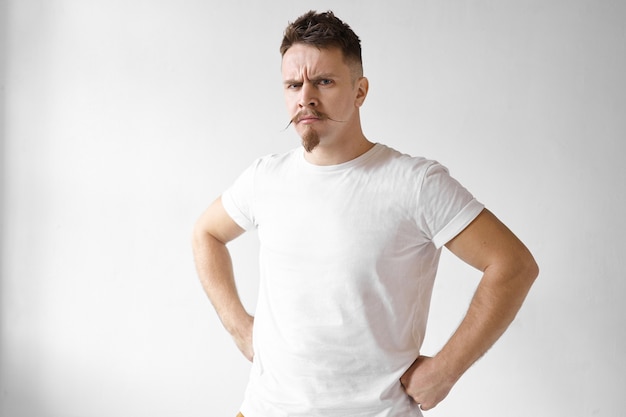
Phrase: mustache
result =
(310, 112)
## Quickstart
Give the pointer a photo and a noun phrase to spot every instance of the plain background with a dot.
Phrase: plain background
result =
(122, 120)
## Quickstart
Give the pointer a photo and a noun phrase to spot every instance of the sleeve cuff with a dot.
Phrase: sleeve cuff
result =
(458, 223)
(233, 211)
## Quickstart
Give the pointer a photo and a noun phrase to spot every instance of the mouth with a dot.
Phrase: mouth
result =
(308, 117)
(307, 120)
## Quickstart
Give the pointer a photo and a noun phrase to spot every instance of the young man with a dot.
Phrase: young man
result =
(351, 232)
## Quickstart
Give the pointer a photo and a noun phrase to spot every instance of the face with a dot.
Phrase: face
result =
(322, 94)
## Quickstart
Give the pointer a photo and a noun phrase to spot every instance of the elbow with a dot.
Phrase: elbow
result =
(529, 269)
(534, 270)
(196, 236)
(200, 237)
(519, 271)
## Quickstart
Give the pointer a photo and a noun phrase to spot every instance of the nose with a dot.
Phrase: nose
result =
(308, 95)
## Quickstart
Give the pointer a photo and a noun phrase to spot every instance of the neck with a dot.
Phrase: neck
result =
(340, 151)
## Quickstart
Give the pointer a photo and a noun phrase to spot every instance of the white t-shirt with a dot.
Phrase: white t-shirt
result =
(348, 257)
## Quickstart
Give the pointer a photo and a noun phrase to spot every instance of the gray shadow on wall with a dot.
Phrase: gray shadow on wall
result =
(3, 174)
(18, 389)
(3, 128)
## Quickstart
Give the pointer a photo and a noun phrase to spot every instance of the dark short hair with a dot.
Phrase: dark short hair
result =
(323, 30)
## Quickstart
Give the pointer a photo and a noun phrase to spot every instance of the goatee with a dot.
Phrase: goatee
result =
(310, 140)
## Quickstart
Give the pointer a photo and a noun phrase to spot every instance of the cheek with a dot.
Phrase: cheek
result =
(344, 103)
(291, 102)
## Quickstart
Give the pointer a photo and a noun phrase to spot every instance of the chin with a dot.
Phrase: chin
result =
(310, 139)
(310, 144)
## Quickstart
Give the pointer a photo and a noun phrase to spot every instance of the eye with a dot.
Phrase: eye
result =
(293, 86)
(325, 81)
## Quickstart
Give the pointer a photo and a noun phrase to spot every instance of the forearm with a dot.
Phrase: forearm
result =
(493, 307)
(215, 271)
(495, 304)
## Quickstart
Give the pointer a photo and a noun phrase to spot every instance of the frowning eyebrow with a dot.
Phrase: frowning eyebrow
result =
(291, 82)
(317, 78)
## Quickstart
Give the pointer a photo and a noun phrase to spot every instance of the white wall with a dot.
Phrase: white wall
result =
(124, 119)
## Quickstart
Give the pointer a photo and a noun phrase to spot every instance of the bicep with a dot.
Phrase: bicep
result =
(216, 222)
(487, 242)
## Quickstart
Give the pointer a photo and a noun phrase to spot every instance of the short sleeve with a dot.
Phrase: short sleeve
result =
(445, 206)
(238, 199)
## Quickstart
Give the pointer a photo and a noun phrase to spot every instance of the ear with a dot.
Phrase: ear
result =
(362, 88)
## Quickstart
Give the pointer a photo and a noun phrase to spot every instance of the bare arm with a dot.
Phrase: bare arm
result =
(212, 231)
(508, 273)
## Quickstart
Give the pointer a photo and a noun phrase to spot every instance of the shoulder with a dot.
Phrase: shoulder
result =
(403, 165)
(275, 160)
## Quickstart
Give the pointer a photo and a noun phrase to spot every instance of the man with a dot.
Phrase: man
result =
(351, 233)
